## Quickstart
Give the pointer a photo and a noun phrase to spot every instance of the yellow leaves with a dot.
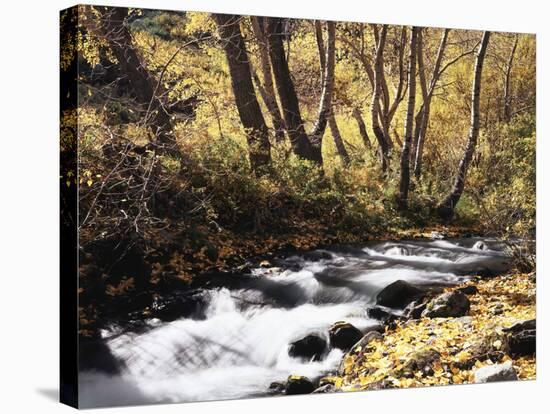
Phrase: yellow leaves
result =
(462, 356)
(452, 338)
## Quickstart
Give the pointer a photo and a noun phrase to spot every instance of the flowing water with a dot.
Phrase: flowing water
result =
(239, 343)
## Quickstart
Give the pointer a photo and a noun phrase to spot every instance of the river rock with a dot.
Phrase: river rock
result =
(379, 314)
(522, 338)
(414, 310)
(493, 373)
(479, 245)
(449, 304)
(317, 255)
(343, 335)
(309, 347)
(297, 384)
(398, 294)
(277, 387)
(468, 290)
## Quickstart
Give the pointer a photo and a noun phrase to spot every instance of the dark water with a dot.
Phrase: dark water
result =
(240, 344)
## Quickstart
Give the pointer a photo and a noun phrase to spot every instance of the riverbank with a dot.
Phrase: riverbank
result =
(452, 350)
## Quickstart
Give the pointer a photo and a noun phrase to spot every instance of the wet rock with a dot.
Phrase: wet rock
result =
(297, 384)
(414, 310)
(311, 347)
(378, 313)
(522, 338)
(317, 255)
(277, 387)
(493, 373)
(468, 290)
(398, 294)
(480, 246)
(343, 335)
(449, 304)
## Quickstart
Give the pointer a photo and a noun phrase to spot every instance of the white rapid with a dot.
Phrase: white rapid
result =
(240, 343)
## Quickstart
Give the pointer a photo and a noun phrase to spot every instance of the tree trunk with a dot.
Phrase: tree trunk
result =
(507, 88)
(375, 104)
(269, 92)
(424, 119)
(447, 206)
(299, 140)
(362, 128)
(338, 141)
(405, 177)
(243, 89)
(327, 59)
(145, 88)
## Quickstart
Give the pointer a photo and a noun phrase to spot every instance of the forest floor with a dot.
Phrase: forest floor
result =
(441, 351)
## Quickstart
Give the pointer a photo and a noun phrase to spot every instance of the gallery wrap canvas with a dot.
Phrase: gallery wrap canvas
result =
(266, 206)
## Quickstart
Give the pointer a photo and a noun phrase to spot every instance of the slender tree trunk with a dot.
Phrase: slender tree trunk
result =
(338, 141)
(325, 104)
(269, 92)
(145, 88)
(423, 88)
(324, 55)
(375, 103)
(243, 90)
(507, 88)
(405, 177)
(448, 204)
(424, 119)
(299, 140)
(362, 128)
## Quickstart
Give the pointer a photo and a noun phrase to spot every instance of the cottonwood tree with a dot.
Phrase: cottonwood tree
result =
(446, 207)
(405, 177)
(333, 125)
(423, 115)
(145, 88)
(507, 110)
(267, 90)
(247, 104)
(304, 145)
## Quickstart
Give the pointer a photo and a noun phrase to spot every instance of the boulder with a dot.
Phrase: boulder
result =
(449, 304)
(493, 373)
(381, 315)
(297, 384)
(468, 290)
(343, 335)
(414, 310)
(277, 387)
(311, 347)
(522, 338)
(398, 294)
